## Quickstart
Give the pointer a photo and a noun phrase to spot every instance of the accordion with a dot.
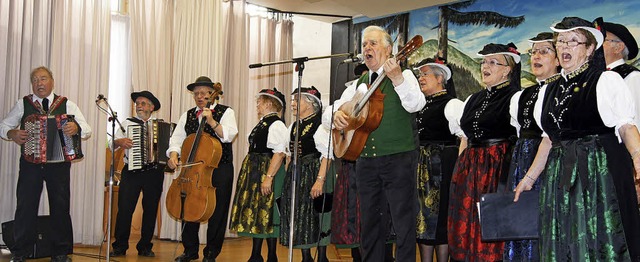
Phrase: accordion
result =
(46, 143)
(150, 142)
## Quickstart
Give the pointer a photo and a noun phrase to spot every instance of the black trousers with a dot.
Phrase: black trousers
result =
(149, 182)
(30, 179)
(387, 184)
(222, 180)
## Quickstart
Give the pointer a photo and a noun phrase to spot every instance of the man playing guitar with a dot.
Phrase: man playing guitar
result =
(386, 167)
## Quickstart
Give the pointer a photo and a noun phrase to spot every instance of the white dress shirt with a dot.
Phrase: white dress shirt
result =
(12, 120)
(633, 83)
(227, 122)
(409, 93)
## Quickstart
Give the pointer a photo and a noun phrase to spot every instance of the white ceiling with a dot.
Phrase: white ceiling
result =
(351, 8)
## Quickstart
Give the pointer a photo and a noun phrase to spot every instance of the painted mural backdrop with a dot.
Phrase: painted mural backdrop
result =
(458, 31)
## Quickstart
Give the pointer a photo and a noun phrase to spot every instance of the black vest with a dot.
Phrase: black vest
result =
(570, 108)
(191, 126)
(260, 133)
(624, 70)
(306, 143)
(528, 126)
(432, 124)
(486, 114)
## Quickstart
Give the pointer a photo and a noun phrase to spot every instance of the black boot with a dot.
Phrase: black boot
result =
(306, 255)
(271, 247)
(322, 254)
(256, 255)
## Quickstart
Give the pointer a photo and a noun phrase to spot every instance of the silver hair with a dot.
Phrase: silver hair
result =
(314, 103)
(436, 70)
(371, 28)
(41, 68)
(625, 53)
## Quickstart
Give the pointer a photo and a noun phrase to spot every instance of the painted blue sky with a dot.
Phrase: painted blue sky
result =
(539, 16)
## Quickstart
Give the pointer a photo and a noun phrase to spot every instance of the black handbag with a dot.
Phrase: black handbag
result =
(501, 219)
(321, 206)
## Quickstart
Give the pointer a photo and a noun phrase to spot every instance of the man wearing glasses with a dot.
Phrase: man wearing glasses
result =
(148, 179)
(220, 124)
(620, 46)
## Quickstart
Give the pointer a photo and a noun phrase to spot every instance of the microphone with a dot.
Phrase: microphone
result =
(100, 97)
(357, 59)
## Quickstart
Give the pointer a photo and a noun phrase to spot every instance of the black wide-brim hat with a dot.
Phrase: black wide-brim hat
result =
(148, 95)
(500, 49)
(573, 23)
(309, 91)
(200, 81)
(541, 37)
(623, 33)
(273, 93)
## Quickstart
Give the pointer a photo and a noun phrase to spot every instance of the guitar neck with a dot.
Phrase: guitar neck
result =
(360, 105)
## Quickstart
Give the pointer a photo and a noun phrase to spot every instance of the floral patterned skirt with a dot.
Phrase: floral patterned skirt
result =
(345, 216)
(477, 172)
(523, 154)
(435, 166)
(581, 215)
(253, 214)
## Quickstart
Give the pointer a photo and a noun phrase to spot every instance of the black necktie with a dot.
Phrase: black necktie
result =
(45, 104)
(373, 77)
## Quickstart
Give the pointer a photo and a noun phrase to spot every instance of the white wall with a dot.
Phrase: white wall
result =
(312, 38)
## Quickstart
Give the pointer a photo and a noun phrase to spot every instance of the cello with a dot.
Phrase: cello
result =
(365, 112)
(191, 197)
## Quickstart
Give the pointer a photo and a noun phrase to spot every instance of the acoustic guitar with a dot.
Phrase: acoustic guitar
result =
(365, 112)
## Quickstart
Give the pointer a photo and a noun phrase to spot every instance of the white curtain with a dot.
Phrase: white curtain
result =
(196, 51)
(80, 64)
(72, 39)
(25, 27)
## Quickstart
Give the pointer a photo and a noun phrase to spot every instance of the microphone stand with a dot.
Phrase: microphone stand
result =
(300, 65)
(113, 118)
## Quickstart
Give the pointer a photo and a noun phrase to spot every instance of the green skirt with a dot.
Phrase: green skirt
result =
(253, 214)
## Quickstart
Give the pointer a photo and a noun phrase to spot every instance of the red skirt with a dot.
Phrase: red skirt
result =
(477, 172)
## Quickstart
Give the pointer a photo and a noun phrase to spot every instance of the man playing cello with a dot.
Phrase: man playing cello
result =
(221, 125)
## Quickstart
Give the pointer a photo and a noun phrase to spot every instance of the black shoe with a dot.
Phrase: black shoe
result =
(118, 252)
(209, 258)
(186, 257)
(146, 253)
(16, 258)
(256, 259)
(60, 258)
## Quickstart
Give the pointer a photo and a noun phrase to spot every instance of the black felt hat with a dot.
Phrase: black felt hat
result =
(275, 94)
(542, 37)
(148, 95)
(309, 91)
(623, 33)
(201, 81)
(437, 62)
(500, 49)
(573, 23)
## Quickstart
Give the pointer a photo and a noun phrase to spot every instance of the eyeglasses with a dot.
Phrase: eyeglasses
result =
(420, 74)
(201, 93)
(541, 51)
(570, 43)
(143, 104)
(613, 40)
(492, 62)
(41, 79)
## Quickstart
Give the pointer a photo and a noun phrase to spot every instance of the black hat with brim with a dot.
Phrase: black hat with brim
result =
(201, 81)
(500, 49)
(623, 33)
(573, 23)
(148, 95)
(542, 37)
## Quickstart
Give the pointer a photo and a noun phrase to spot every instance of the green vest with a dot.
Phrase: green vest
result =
(396, 131)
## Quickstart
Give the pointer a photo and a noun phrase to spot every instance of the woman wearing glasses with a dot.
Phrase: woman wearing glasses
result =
(484, 152)
(588, 209)
(544, 65)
